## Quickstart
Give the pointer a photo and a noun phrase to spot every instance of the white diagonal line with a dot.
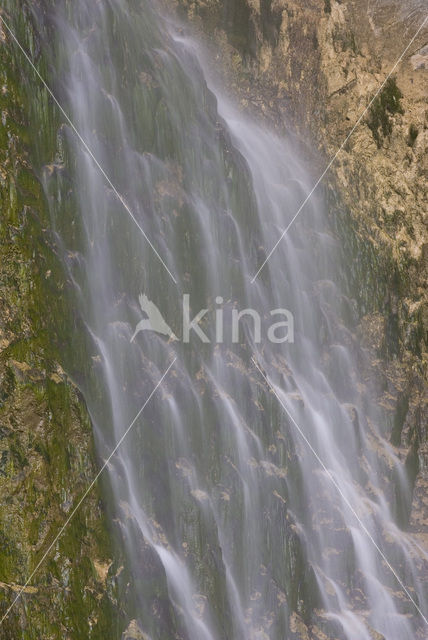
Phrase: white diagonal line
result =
(70, 517)
(344, 498)
(97, 164)
(326, 170)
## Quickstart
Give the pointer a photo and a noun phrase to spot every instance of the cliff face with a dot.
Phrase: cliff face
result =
(47, 457)
(315, 66)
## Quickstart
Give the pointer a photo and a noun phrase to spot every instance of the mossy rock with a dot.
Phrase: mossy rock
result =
(384, 106)
(47, 457)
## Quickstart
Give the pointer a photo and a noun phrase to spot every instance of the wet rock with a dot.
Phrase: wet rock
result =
(47, 457)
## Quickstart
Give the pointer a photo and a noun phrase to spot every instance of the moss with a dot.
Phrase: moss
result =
(385, 105)
(327, 6)
(399, 418)
(47, 458)
(412, 135)
(237, 23)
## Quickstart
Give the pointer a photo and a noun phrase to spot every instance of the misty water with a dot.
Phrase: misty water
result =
(239, 504)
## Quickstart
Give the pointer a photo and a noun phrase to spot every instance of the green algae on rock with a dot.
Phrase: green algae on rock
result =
(47, 458)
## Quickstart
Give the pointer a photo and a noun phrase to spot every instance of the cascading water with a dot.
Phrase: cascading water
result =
(231, 524)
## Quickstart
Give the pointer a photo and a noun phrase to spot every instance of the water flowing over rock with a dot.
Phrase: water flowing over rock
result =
(265, 491)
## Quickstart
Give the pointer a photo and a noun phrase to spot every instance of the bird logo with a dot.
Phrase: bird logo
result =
(154, 320)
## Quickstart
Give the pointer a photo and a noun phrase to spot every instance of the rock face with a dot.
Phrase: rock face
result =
(47, 457)
(321, 66)
(314, 65)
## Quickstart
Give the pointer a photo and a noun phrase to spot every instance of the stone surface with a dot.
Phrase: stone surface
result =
(319, 67)
(312, 66)
(47, 457)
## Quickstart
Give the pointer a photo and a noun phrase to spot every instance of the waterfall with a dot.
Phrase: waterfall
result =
(257, 488)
